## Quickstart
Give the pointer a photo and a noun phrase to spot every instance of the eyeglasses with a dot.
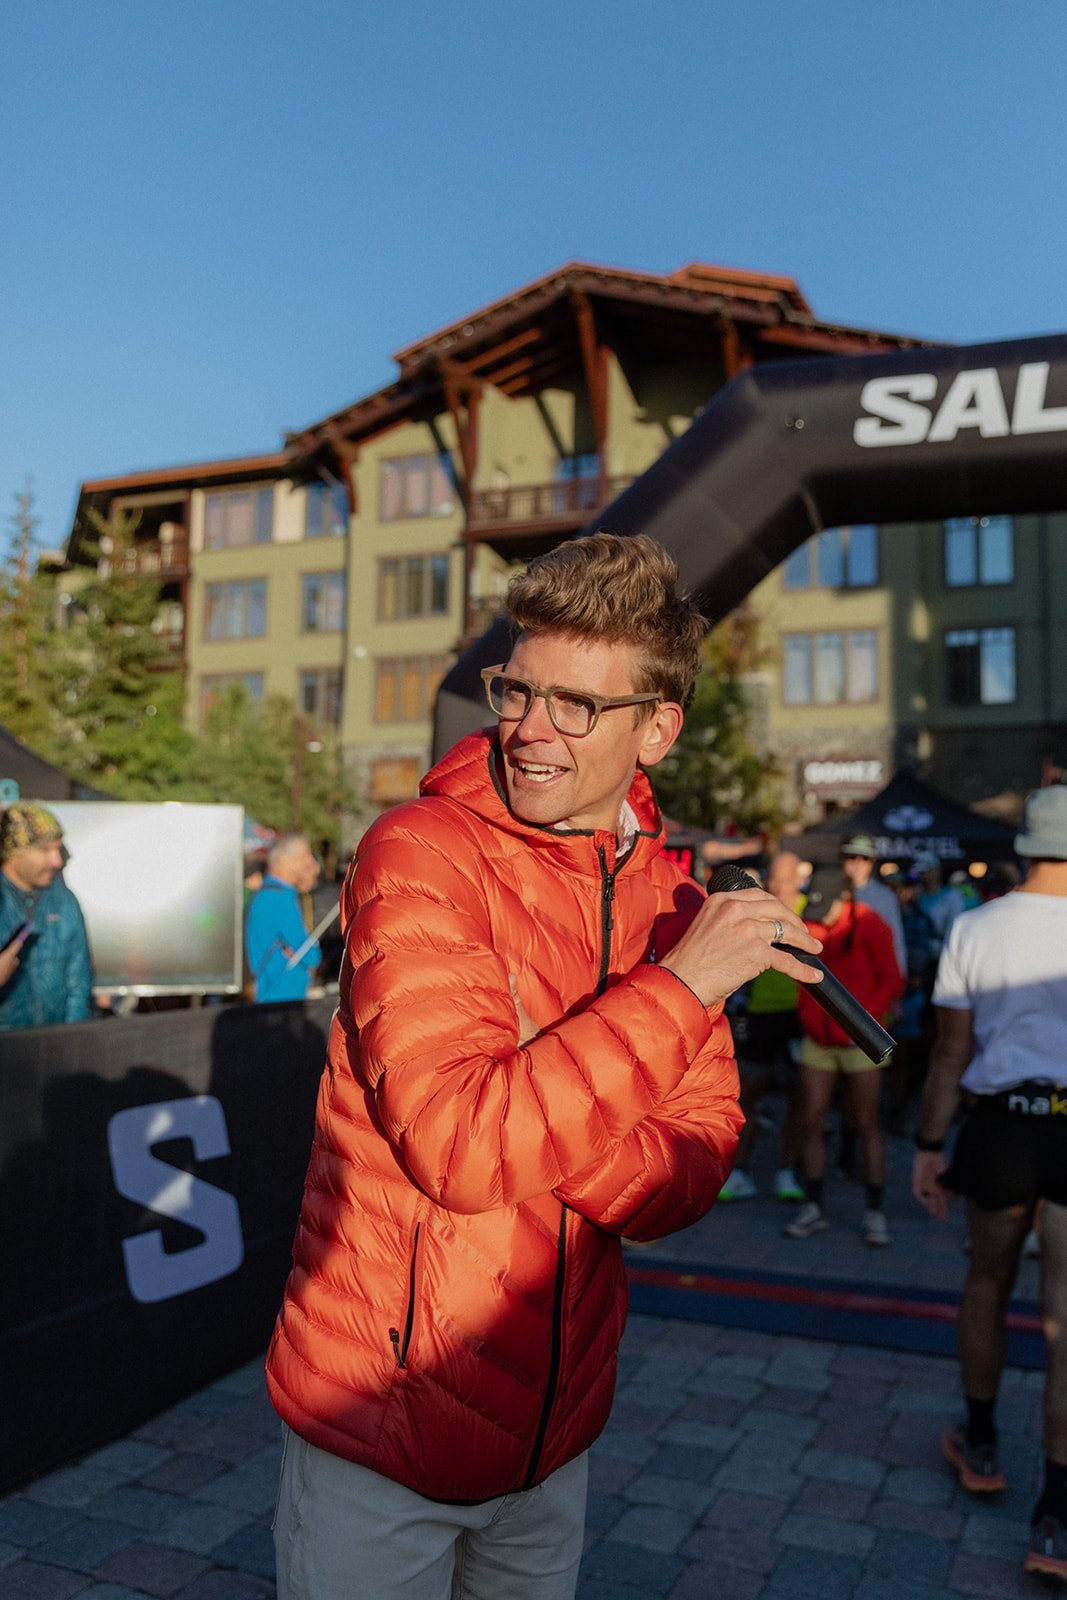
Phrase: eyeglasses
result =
(571, 712)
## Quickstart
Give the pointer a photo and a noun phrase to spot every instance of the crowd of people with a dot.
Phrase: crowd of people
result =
(971, 980)
(882, 934)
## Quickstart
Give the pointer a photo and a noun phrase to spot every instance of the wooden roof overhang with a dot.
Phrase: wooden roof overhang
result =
(558, 329)
(165, 486)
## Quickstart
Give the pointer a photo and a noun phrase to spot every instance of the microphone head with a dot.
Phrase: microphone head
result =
(728, 875)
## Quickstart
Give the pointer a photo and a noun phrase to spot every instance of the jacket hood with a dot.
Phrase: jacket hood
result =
(471, 774)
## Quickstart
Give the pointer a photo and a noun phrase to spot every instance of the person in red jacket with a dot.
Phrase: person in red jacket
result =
(529, 1062)
(857, 948)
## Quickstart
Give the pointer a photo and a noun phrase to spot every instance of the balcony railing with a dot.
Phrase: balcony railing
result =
(569, 500)
(162, 558)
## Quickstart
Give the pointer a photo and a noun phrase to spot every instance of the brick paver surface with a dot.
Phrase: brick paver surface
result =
(737, 1464)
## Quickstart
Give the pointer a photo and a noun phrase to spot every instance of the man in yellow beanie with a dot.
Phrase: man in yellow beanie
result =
(45, 970)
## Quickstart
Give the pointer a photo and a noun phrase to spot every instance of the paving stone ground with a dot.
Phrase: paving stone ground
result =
(737, 1465)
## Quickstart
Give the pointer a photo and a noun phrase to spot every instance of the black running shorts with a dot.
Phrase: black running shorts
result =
(1004, 1158)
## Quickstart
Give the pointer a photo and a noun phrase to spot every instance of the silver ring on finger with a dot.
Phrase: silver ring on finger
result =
(779, 931)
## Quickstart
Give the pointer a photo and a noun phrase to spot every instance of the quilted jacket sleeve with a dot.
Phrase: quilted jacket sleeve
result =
(479, 1121)
(667, 1172)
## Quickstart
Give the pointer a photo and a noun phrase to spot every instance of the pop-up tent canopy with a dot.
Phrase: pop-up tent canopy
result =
(24, 772)
(910, 818)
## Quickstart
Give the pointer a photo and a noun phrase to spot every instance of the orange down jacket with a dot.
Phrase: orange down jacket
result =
(457, 1293)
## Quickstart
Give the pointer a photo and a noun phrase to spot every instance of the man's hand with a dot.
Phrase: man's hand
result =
(9, 960)
(732, 938)
(926, 1169)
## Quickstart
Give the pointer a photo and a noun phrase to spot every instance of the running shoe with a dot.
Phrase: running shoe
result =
(738, 1186)
(1048, 1549)
(787, 1186)
(875, 1231)
(808, 1220)
(976, 1464)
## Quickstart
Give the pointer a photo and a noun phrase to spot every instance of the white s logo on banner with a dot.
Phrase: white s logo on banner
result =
(151, 1272)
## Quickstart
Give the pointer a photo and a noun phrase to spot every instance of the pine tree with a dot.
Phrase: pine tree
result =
(28, 641)
(271, 760)
(715, 776)
(121, 695)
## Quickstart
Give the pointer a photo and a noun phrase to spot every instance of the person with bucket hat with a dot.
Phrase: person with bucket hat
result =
(46, 972)
(1001, 1004)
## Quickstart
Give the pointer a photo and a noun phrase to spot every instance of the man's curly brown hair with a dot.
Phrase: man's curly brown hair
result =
(622, 591)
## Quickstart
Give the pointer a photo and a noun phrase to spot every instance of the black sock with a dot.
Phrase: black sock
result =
(876, 1197)
(981, 1429)
(1053, 1499)
(813, 1188)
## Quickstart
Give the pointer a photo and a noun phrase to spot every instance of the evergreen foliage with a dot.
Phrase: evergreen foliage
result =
(271, 761)
(28, 663)
(715, 776)
(120, 702)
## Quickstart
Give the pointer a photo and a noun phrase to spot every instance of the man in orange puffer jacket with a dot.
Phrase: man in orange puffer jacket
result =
(529, 1062)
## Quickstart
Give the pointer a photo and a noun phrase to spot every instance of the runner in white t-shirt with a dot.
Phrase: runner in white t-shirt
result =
(1001, 1003)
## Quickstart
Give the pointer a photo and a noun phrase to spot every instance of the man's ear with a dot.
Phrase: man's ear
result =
(660, 731)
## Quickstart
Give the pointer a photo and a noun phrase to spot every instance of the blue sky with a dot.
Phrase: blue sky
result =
(221, 222)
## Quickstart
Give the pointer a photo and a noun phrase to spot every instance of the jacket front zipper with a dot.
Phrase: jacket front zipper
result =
(556, 1350)
(607, 917)
(400, 1345)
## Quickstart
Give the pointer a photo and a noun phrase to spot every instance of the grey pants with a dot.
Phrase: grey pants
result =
(342, 1532)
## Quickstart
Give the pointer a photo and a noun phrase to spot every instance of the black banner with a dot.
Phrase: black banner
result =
(151, 1169)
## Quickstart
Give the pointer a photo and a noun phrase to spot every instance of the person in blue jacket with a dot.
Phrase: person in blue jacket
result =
(46, 972)
(275, 932)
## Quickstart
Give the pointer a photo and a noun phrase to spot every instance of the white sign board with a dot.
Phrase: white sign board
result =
(160, 886)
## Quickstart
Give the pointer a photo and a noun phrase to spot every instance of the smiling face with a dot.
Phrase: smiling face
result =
(554, 778)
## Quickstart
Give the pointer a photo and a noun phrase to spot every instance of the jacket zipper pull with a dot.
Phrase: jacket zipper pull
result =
(609, 898)
(394, 1337)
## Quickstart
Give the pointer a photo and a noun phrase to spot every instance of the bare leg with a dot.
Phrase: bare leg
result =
(793, 1127)
(863, 1092)
(754, 1083)
(817, 1089)
(996, 1244)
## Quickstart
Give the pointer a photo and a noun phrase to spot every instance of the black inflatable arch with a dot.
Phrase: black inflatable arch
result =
(789, 448)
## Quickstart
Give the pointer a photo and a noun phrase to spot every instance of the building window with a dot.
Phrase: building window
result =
(828, 669)
(980, 666)
(322, 602)
(836, 558)
(319, 696)
(394, 779)
(416, 486)
(581, 476)
(404, 687)
(413, 586)
(238, 517)
(236, 610)
(211, 687)
(325, 510)
(979, 550)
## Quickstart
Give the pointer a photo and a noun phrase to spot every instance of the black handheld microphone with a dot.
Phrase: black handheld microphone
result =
(831, 994)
